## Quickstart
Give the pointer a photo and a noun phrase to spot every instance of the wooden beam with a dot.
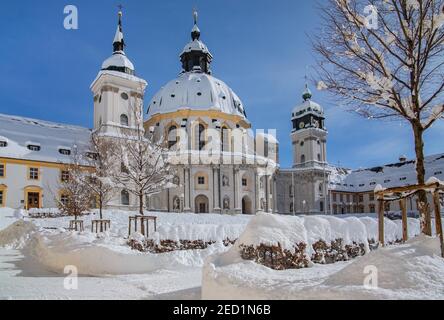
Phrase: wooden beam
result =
(381, 208)
(405, 233)
(438, 222)
(411, 188)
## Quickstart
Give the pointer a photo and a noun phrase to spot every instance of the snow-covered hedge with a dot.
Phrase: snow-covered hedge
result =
(44, 213)
(287, 242)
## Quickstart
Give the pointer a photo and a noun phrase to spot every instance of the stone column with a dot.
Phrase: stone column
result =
(186, 190)
(267, 194)
(216, 191)
(237, 189)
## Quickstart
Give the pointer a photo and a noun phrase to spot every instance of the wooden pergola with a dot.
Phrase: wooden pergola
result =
(401, 194)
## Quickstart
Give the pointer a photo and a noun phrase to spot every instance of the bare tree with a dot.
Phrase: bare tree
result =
(76, 198)
(385, 59)
(101, 159)
(144, 167)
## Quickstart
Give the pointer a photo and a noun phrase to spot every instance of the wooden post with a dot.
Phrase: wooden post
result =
(381, 221)
(438, 222)
(403, 206)
(129, 227)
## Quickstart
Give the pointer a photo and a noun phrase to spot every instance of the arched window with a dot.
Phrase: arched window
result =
(199, 137)
(124, 120)
(172, 137)
(125, 198)
(303, 158)
(225, 137)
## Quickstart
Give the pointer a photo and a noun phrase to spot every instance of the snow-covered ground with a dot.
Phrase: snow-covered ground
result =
(410, 271)
(35, 252)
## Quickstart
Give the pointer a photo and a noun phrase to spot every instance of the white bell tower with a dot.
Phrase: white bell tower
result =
(309, 136)
(118, 93)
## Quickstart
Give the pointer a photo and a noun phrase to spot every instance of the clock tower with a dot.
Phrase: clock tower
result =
(309, 135)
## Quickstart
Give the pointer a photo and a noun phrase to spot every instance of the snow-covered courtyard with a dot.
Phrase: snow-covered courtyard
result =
(35, 252)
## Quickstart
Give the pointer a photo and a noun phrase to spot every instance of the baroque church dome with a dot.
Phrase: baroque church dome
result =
(195, 88)
(196, 91)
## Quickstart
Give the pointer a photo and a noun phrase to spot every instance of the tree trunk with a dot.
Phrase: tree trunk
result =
(101, 207)
(423, 205)
(141, 204)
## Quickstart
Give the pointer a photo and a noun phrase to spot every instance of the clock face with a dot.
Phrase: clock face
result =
(301, 125)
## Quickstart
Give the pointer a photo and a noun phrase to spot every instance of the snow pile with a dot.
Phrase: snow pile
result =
(51, 246)
(17, 234)
(270, 229)
(409, 271)
(106, 255)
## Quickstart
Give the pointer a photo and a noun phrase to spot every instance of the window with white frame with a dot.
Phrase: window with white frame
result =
(33, 173)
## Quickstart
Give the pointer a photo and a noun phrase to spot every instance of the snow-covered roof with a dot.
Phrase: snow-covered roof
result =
(307, 107)
(119, 35)
(196, 45)
(388, 176)
(118, 59)
(122, 75)
(196, 91)
(49, 136)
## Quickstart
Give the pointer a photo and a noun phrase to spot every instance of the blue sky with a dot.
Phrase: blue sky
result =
(260, 49)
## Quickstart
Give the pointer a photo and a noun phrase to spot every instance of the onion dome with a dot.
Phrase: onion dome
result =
(308, 106)
(119, 61)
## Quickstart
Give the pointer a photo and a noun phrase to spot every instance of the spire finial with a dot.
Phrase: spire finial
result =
(195, 33)
(307, 93)
(119, 42)
(195, 15)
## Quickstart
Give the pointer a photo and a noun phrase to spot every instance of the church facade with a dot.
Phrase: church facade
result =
(221, 165)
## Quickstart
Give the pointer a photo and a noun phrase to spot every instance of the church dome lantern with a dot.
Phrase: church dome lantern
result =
(195, 56)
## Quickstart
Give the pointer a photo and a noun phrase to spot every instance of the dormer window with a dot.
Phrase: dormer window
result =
(65, 152)
(92, 155)
(34, 147)
(3, 144)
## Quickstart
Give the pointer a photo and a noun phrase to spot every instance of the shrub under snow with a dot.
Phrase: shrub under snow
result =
(287, 242)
